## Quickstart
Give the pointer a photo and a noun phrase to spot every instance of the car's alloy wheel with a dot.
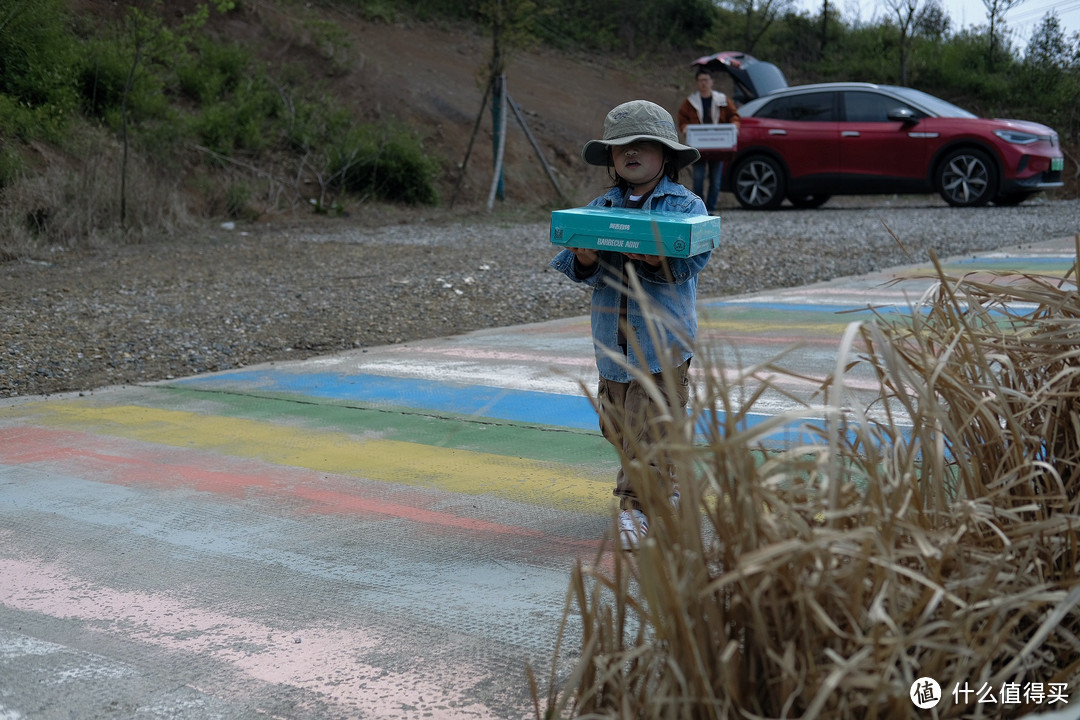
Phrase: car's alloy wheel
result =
(967, 178)
(759, 183)
(808, 201)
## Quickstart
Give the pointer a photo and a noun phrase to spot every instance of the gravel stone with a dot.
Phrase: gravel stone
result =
(220, 299)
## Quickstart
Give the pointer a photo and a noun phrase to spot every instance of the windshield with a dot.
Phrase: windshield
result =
(753, 78)
(764, 77)
(935, 105)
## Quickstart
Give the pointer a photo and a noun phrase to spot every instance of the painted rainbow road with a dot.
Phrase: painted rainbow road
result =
(379, 534)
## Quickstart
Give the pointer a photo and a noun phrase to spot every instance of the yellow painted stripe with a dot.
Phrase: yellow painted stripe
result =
(773, 327)
(460, 471)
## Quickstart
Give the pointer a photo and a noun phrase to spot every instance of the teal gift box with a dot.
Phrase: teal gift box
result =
(635, 231)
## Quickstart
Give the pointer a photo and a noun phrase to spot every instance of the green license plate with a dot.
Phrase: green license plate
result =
(1057, 163)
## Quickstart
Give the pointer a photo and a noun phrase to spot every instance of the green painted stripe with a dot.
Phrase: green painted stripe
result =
(562, 485)
(544, 443)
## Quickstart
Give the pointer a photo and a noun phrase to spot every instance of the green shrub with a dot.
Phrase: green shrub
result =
(37, 77)
(36, 52)
(240, 120)
(384, 10)
(23, 122)
(867, 54)
(12, 166)
(101, 78)
(384, 162)
(213, 71)
(104, 69)
(237, 197)
(309, 123)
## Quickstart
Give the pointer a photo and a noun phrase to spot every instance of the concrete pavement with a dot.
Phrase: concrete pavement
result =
(378, 534)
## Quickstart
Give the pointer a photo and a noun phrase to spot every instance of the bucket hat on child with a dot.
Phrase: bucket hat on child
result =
(633, 121)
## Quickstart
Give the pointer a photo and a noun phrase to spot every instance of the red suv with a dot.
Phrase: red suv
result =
(809, 142)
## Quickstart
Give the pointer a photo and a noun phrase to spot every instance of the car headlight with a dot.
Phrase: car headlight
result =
(1016, 137)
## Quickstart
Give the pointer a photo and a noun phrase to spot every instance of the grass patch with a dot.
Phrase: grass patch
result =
(72, 198)
(929, 533)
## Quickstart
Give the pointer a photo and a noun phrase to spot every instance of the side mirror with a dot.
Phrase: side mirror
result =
(904, 115)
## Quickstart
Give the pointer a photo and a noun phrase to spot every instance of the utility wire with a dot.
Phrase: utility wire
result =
(1027, 13)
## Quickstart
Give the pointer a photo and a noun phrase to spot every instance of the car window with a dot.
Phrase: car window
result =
(808, 107)
(935, 105)
(862, 106)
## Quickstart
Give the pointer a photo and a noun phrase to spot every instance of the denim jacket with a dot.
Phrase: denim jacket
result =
(671, 291)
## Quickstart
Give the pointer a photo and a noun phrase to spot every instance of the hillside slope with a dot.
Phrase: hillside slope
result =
(433, 78)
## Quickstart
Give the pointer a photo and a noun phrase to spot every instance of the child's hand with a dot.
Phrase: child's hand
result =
(586, 257)
(652, 261)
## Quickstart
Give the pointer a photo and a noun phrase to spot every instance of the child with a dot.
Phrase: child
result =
(641, 146)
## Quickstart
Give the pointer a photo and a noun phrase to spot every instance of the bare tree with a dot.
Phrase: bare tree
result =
(995, 13)
(933, 21)
(1049, 48)
(908, 13)
(824, 23)
(760, 15)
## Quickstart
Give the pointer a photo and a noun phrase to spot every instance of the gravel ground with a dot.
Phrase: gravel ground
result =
(81, 320)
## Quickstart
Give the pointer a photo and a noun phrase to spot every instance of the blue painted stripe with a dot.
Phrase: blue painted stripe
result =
(780, 306)
(806, 431)
(844, 313)
(523, 406)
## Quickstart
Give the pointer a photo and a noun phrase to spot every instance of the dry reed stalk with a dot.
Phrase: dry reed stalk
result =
(823, 579)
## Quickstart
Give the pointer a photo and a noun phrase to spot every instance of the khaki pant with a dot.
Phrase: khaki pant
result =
(636, 423)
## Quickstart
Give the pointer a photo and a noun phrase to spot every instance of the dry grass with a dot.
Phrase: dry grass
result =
(822, 580)
(73, 198)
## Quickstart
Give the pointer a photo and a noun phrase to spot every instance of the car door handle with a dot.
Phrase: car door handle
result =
(850, 133)
(778, 132)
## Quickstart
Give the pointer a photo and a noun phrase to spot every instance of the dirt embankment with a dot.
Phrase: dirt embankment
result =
(433, 78)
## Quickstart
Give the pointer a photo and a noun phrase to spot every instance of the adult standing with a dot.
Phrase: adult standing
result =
(701, 107)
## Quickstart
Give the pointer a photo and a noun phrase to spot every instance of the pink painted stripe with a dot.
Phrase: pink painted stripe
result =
(753, 334)
(328, 661)
(778, 379)
(482, 354)
(108, 461)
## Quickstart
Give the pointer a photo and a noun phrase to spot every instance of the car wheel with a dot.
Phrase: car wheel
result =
(809, 201)
(1012, 198)
(966, 178)
(759, 183)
